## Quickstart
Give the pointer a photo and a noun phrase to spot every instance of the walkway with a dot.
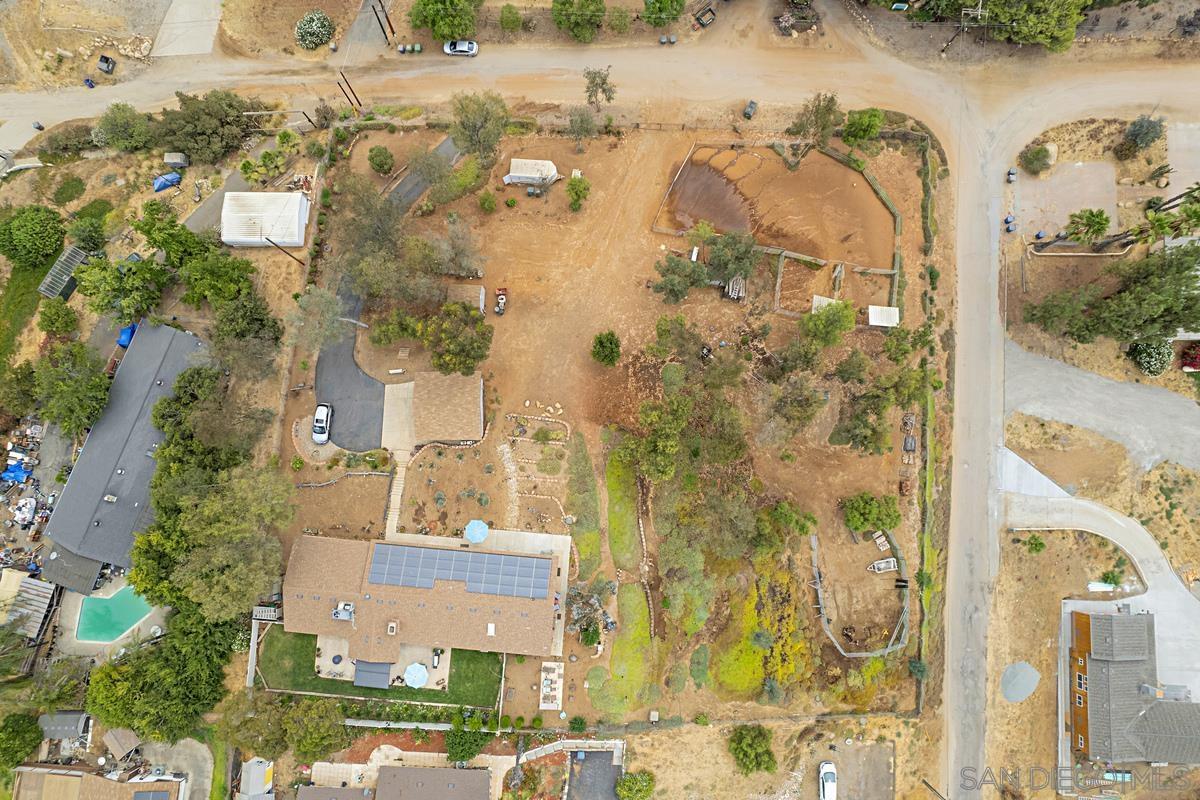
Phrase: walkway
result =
(1153, 423)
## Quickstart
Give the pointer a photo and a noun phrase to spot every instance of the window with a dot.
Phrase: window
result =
(1079, 700)
(1081, 681)
(1081, 741)
(1079, 661)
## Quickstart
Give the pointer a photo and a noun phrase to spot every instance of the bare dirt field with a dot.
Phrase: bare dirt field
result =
(255, 27)
(1166, 500)
(402, 144)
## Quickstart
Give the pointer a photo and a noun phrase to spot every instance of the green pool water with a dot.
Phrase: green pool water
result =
(105, 619)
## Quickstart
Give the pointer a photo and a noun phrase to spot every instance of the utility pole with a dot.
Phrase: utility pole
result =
(285, 252)
(343, 88)
(386, 16)
(970, 18)
(347, 80)
(382, 30)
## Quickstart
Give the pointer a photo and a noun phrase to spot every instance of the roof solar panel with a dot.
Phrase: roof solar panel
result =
(483, 573)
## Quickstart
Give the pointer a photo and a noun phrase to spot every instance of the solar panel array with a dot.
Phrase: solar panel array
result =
(483, 573)
(152, 795)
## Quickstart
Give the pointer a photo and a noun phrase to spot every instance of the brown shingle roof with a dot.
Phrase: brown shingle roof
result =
(447, 408)
(50, 782)
(432, 783)
(324, 572)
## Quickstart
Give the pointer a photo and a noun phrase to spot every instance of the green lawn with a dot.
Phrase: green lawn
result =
(287, 662)
(624, 687)
(623, 539)
(583, 502)
(219, 748)
(18, 301)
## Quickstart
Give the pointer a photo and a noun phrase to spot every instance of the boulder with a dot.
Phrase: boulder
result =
(1163, 182)
(1052, 151)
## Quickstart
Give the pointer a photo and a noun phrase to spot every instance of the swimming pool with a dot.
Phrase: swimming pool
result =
(106, 619)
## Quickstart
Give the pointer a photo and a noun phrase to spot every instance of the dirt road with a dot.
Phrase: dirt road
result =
(982, 114)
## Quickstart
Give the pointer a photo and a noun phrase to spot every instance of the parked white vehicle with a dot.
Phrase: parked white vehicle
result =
(827, 781)
(322, 421)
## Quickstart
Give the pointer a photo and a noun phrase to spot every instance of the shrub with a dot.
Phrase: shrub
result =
(577, 725)
(536, 723)
(918, 668)
(511, 202)
(1152, 357)
(510, 18)
(580, 18)
(662, 12)
(1125, 150)
(1035, 544)
(31, 235)
(71, 188)
(314, 149)
(381, 159)
(606, 348)
(1145, 131)
(88, 233)
(864, 512)
(56, 318)
(506, 721)
(519, 722)
(314, 29)
(122, 126)
(750, 746)
(862, 126)
(465, 745)
(487, 202)
(297, 463)
(66, 143)
(1035, 160)
(636, 785)
(1191, 356)
(701, 719)
(578, 189)
(619, 19)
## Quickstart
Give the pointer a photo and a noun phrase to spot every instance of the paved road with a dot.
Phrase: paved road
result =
(1153, 423)
(982, 114)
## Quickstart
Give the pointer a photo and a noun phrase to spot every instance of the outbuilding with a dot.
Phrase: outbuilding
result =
(259, 219)
(531, 172)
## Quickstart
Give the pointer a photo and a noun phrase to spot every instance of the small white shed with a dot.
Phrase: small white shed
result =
(531, 172)
(249, 219)
(883, 316)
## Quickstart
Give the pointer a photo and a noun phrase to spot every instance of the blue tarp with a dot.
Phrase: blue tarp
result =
(126, 335)
(17, 473)
(167, 181)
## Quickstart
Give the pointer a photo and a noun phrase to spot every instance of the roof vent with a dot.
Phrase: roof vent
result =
(491, 629)
(95, 523)
(392, 627)
(110, 498)
(120, 470)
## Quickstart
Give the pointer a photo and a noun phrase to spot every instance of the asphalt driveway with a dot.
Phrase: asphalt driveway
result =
(356, 397)
(593, 778)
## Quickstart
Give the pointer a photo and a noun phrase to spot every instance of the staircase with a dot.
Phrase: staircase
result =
(395, 502)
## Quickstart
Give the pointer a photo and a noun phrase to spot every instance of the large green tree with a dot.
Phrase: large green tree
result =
(20, 735)
(732, 255)
(750, 746)
(478, 123)
(31, 235)
(662, 12)
(458, 338)
(207, 128)
(1087, 225)
(246, 335)
(215, 277)
(317, 318)
(315, 727)
(827, 326)
(18, 389)
(445, 19)
(123, 127)
(1050, 23)
(163, 231)
(253, 722)
(580, 18)
(678, 276)
(71, 387)
(126, 289)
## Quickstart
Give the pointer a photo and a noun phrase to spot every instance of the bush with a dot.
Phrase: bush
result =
(1034, 160)
(20, 735)
(619, 19)
(580, 18)
(71, 188)
(577, 725)
(750, 746)
(511, 202)
(510, 18)
(314, 149)
(31, 236)
(506, 721)
(487, 202)
(66, 143)
(1125, 150)
(701, 719)
(124, 127)
(918, 668)
(465, 745)
(865, 512)
(297, 463)
(56, 318)
(862, 126)
(1145, 131)
(606, 348)
(313, 30)
(578, 189)
(636, 785)
(1152, 357)
(519, 722)
(662, 12)
(88, 233)
(536, 723)
(381, 159)
(1035, 544)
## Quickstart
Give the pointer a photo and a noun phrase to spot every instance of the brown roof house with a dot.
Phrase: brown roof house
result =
(432, 407)
(54, 782)
(411, 783)
(1118, 712)
(376, 607)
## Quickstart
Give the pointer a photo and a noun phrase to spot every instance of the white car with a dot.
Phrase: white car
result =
(827, 780)
(322, 420)
(462, 47)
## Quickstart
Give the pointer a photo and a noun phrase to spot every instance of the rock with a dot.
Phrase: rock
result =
(527, 404)
(539, 405)
(1125, 181)
(1163, 182)
(1052, 151)
(144, 50)
(64, 53)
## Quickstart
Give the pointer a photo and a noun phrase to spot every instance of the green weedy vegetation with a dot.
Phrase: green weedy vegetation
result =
(623, 539)
(623, 687)
(583, 503)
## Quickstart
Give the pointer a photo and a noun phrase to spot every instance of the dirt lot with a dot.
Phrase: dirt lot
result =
(258, 27)
(1166, 500)
(1025, 627)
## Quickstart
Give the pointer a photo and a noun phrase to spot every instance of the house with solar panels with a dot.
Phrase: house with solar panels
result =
(391, 613)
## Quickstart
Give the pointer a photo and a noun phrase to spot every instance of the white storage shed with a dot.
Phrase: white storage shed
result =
(249, 219)
(531, 172)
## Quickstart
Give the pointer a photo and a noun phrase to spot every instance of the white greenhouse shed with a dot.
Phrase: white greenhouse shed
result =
(531, 172)
(249, 219)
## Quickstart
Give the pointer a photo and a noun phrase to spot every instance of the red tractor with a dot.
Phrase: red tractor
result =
(501, 302)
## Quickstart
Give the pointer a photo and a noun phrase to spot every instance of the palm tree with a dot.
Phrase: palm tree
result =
(1087, 225)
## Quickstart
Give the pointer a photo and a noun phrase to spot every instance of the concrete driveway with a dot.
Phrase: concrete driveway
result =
(356, 397)
(188, 29)
(1153, 423)
(188, 756)
(1044, 204)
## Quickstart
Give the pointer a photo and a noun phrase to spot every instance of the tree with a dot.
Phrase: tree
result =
(750, 746)
(1035, 159)
(1145, 131)
(637, 785)
(207, 128)
(71, 387)
(862, 126)
(662, 12)
(1153, 356)
(56, 318)
(581, 125)
(654, 453)
(817, 118)
(59, 685)
(580, 18)
(798, 404)
(126, 289)
(578, 189)
(18, 389)
(826, 327)
(700, 234)
(677, 276)
(245, 335)
(606, 348)
(14, 647)
(20, 735)
(1087, 225)
(866, 512)
(446, 19)
(458, 338)
(599, 90)
(123, 127)
(853, 368)
(324, 115)
(314, 29)
(31, 235)
(289, 143)
(510, 18)
(479, 122)
(253, 722)
(619, 20)
(458, 253)
(1050, 23)
(163, 231)
(215, 277)
(315, 727)
(381, 159)
(732, 255)
(88, 234)
(316, 319)
(464, 745)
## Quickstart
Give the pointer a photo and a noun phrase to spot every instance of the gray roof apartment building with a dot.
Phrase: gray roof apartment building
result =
(106, 499)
